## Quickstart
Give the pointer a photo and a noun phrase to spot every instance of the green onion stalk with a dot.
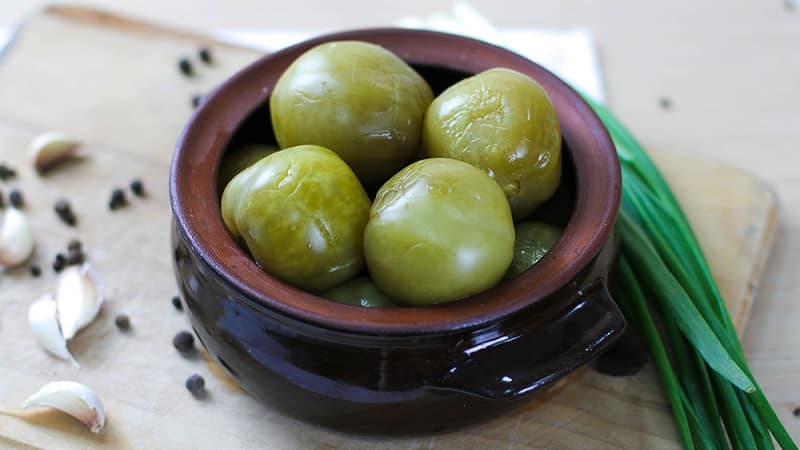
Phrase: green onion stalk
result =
(663, 278)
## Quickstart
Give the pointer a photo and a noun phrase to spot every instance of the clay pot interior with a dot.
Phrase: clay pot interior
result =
(256, 128)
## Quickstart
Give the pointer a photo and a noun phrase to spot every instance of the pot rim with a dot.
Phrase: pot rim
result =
(193, 191)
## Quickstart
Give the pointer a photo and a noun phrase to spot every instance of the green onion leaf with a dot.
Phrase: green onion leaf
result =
(649, 266)
(660, 251)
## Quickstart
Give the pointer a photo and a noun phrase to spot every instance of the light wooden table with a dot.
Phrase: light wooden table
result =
(730, 69)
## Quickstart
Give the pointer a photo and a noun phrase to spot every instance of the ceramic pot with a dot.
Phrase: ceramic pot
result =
(397, 369)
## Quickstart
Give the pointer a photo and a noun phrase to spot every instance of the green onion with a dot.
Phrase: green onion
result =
(682, 310)
(631, 300)
(663, 274)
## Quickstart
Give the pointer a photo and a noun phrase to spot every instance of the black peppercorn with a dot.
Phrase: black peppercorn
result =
(183, 341)
(35, 270)
(796, 412)
(122, 321)
(16, 199)
(7, 173)
(70, 219)
(665, 102)
(195, 384)
(75, 253)
(62, 207)
(185, 66)
(205, 55)
(75, 257)
(59, 262)
(118, 199)
(196, 100)
(64, 212)
(137, 187)
(74, 246)
(176, 302)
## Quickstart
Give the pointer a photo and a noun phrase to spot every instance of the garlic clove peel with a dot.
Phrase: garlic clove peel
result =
(72, 398)
(43, 318)
(16, 238)
(52, 148)
(78, 298)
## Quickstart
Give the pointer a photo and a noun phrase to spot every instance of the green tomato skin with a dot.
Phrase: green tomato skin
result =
(239, 159)
(357, 99)
(360, 291)
(533, 241)
(301, 212)
(504, 123)
(439, 230)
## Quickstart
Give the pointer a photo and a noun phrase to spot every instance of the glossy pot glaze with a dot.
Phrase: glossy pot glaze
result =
(397, 369)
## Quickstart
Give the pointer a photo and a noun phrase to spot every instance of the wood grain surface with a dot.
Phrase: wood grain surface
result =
(114, 84)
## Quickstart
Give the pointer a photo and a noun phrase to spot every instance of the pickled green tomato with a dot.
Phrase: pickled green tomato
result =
(360, 291)
(439, 230)
(239, 159)
(357, 99)
(504, 123)
(533, 240)
(301, 212)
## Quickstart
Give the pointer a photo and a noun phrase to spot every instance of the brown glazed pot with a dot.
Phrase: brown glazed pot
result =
(398, 369)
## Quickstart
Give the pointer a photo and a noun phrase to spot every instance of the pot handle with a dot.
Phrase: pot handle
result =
(511, 365)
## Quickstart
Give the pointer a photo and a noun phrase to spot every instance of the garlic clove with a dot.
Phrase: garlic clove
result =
(52, 148)
(72, 398)
(16, 238)
(44, 323)
(78, 298)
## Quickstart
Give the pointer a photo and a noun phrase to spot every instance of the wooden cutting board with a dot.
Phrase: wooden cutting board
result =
(113, 83)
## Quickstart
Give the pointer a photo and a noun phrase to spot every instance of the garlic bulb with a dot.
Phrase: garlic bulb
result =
(78, 298)
(52, 148)
(44, 323)
(72, 398)
(16, 238)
